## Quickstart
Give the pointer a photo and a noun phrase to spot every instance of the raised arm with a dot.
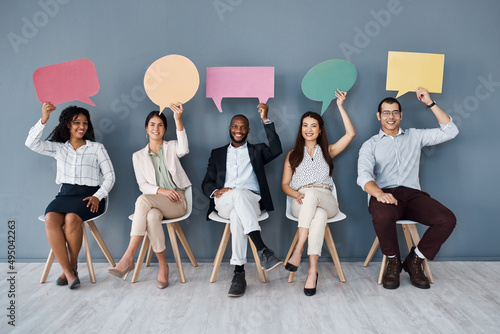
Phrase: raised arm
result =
(424, 97)
(182, 147)
(35, 134)
(336, 148)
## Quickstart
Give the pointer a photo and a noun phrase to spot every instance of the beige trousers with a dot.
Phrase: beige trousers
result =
(317, 206)
(150, 210)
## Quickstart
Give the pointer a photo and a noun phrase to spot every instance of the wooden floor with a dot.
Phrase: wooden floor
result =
(464, 299)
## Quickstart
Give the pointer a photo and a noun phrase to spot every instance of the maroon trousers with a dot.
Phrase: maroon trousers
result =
(414, 205)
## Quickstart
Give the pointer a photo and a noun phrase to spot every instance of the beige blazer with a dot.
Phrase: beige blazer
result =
(173, 150)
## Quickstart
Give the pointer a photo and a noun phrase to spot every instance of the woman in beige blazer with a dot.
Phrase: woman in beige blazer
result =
(162, 181)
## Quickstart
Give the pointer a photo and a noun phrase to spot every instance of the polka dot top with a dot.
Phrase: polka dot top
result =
(313, 170)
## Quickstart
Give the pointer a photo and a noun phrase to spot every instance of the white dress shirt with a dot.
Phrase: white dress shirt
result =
(81, 166)
(239, 170)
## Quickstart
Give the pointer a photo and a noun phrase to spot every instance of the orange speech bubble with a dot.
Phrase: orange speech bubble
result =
(171, 79)
(68, 81)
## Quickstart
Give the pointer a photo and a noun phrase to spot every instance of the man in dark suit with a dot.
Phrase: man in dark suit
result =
(237, 186)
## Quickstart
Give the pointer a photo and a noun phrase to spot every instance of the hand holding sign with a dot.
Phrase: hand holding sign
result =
(170, 80)
(68, 81)
(240, 82)
(408, 70)
(324, 79)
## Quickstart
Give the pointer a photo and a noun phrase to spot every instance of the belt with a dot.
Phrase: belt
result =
(315, 185)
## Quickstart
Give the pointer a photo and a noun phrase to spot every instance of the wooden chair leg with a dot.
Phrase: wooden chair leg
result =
(333, 252)
(150, 255)
(372, 251)
(291, 275)
(175, 249)
(88, 257)
(48, 265)
(382, 269)
(185, 244)
(416, 240)
(140, 258)
(220, 252)
(406, 231)
(262, 275)
(95, 232)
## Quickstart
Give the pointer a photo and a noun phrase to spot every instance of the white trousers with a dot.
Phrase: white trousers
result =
(241, 207)
(317, 206)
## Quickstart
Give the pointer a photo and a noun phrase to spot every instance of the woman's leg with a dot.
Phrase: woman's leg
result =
(128, 258)
(305, 213)
(163, 272)
(74, 237)
(54, 223)
(312, 273)
(296, 256)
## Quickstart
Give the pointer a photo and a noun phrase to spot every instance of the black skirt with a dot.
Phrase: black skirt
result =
(70, 200)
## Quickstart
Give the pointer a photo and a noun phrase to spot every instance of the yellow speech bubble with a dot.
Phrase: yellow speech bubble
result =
(171, 79)
(408, 70)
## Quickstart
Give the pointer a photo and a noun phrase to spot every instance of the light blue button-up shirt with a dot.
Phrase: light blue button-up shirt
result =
(239, 170)
(394, 161)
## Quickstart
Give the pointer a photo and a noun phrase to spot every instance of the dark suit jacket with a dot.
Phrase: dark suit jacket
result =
(260, 154)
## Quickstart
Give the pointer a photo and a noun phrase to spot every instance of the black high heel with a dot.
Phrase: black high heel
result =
(311, 292)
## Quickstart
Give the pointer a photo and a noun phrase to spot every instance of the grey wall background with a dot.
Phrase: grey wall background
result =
(123, 38)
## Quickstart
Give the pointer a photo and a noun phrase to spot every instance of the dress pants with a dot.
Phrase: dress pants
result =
(241, 207)
(317, 206)
(414, 205)
(150, 210)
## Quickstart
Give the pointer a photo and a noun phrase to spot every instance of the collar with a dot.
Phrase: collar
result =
(382, 134)
(160, 151)
(240, 147)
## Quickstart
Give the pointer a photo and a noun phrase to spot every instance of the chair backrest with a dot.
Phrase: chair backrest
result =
(340, 215)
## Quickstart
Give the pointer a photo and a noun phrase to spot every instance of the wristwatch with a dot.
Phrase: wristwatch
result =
(431, 105)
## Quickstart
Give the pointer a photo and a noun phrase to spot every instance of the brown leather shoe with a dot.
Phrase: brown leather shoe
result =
(413, 266)
(391, 274)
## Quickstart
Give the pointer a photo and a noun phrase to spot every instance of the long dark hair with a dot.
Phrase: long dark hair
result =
(153, 114)
(298, 151)
(61, 132)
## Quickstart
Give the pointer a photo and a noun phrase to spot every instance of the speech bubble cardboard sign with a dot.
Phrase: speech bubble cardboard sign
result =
(171, 79)
(322, 81)
(68, 81)
(408, 70)
(250, 81)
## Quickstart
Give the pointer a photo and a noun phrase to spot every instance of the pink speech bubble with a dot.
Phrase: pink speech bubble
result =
(68, 81)
(240, 82)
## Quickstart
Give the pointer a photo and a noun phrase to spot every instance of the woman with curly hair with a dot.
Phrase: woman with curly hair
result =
(307, 177)
(80, 162)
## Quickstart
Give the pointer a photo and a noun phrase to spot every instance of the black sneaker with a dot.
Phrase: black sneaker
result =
(268, 260)
(238, 285)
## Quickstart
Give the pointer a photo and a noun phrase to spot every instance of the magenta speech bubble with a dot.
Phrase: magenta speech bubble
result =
(68, 81)
(240, 82)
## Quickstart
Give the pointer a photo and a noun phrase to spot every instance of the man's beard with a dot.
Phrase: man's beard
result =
(238, 141)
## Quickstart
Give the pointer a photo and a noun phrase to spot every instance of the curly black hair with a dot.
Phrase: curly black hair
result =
(61, 133)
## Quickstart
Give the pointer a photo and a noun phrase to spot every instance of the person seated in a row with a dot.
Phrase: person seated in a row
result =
(237, 186)
(80, 161)
(307, 178)
(162, 181)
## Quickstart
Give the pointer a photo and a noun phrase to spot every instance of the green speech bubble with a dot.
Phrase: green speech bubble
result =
(321, 82)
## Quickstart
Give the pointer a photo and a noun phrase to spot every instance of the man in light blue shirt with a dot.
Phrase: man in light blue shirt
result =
(388, 170)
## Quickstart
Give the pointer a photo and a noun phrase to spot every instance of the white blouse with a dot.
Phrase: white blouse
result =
(81, 166)
(313, 170)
